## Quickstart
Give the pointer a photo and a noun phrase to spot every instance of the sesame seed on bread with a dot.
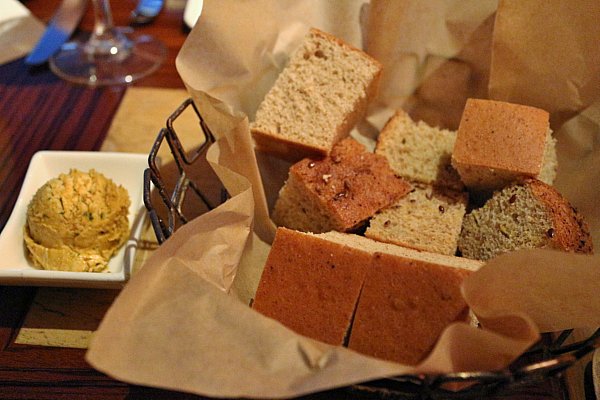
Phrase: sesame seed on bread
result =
(339, 192)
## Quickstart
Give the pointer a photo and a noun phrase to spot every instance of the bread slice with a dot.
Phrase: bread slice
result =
(404, 306)
(531, 214)
(339, 192)
(498, 143)
(311, 285)
(407, 299)
(317, 99)
(419, 152)
(427, 219)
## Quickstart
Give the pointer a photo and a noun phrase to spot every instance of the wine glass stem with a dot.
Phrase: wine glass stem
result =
(106, 41)
(102, 17)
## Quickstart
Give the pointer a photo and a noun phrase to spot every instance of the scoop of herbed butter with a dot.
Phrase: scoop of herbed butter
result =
(77, 222)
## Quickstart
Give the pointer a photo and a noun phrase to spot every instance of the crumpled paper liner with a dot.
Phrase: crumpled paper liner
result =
(182, 323)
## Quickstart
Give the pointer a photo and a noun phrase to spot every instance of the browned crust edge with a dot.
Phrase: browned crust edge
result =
(284, 148)
(570, 232)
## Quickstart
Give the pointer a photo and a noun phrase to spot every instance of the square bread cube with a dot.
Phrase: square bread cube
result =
(339, 192)
(317, 99)
(428, 218)
(311, 285)
(404, 306)
(498, 143)
(419, 152)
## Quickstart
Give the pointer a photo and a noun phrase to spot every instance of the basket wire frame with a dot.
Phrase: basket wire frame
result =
(551, 356)
(152, 176)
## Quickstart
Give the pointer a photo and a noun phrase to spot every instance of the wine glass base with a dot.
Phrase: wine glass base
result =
(139, 57)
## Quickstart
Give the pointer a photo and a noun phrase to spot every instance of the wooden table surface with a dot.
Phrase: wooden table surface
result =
(39, 112)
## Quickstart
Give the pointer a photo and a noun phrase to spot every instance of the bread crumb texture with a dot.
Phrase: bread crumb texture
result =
(318, 97)
(419, 152)
(524, 215)
(339, 192)
(428, 219)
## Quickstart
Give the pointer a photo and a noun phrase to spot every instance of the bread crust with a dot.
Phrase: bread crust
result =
(414, 302)
(285, 148)
(345, 188)
(570, 232)
(499, 142)
(311, 285)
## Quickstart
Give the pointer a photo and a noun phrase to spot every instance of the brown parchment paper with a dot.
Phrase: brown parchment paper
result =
(546, 55)
(183, 322)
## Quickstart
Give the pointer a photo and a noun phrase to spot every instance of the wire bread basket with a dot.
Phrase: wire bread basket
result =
(545, 362)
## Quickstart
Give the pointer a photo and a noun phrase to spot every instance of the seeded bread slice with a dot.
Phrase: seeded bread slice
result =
(531, 214)
(340, 192)
(499, 143)
(317, 99)
(428, 219)
(419, 152)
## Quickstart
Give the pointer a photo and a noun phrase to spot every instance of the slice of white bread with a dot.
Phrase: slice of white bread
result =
(498, 143)
(339, 192)
(530, 214)
(428, 218)
(317, 99)
(311, 283)
(419, 152)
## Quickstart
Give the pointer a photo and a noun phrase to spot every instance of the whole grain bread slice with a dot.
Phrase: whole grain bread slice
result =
(419, 152)
(428, 218)
(317, 99)
(531, 214)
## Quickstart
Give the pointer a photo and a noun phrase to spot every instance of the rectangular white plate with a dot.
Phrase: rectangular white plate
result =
(126, 169)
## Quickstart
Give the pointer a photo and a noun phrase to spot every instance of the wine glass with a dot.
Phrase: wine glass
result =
(110, 56)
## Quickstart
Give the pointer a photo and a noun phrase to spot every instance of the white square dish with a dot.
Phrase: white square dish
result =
(126, 169)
